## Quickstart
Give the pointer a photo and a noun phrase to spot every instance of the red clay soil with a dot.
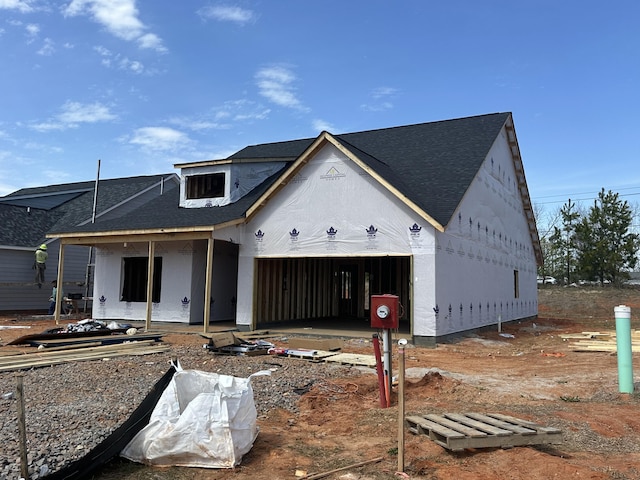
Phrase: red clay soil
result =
(535, 375)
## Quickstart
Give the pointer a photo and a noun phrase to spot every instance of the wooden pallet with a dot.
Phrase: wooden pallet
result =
(455, 431)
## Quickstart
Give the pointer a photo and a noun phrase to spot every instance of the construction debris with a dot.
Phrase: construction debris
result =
(226, 343)
(600, 341)
(86, 340)
(327, 344)
(82, 329)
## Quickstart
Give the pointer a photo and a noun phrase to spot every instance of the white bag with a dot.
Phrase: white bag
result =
(201, 420)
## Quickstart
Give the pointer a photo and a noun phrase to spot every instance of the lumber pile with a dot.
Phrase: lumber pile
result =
(600, 341)
(49, 351)
(45, 358)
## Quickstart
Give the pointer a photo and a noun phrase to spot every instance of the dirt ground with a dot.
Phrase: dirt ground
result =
(535, 375)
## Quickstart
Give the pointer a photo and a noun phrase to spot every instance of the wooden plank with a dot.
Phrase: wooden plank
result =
(49, 336)
(89, 356)
(501, 424)
(525, 423)
(602, 348)
(351, 359)
(468, 430)
(48, 355)
(102, 339)
(424, 424)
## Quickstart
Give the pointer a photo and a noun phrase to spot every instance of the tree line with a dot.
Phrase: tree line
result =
(595, 244)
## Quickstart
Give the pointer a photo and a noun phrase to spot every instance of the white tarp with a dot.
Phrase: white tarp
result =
(202, 419)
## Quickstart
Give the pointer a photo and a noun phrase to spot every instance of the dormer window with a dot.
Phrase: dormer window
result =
(205, 186)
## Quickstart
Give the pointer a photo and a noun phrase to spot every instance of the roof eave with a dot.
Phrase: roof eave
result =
(150, 234)
(522, 187)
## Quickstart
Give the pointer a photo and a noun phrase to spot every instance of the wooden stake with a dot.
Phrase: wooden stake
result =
(315, 476)
(22, 429)
(401, 363)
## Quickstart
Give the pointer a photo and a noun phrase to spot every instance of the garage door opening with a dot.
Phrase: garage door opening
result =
(323, 289)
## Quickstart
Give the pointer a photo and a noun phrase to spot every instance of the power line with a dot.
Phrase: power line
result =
(566, 197)
(614, 188)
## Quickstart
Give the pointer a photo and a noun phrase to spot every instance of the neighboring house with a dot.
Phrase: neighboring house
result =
(28, 214)
(436, 213)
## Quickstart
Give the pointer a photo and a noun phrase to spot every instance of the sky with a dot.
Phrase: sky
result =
(143, 85)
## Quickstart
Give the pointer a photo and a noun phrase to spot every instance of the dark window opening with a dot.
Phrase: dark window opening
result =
(205, 186)
(134, 285)
(516, 284)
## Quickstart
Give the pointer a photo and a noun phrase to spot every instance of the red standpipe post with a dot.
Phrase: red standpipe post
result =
(381, 380)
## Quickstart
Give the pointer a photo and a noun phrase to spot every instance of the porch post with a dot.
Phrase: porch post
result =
(59, 286)
(207, 284)
(152, 247)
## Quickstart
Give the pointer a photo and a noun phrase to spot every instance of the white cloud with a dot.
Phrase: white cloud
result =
(223, 117)
(119, 17)
(261, 114)
(109, 59)
(226, 13)
(103, 51)
(383, 92)
(75, 112)
(47, 48)
(131, 65)
(48, 127)
(159, 138)
(197, 125)
(322, 126)
(151, 41)
(23, 6)
(381, 99)
(276, 84)
(32, 29)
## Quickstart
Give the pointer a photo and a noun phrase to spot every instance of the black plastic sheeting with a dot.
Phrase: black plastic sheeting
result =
(111, 446)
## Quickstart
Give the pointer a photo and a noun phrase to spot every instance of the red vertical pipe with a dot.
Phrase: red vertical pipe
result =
(381, 381)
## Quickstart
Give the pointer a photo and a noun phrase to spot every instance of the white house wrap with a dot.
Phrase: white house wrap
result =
(436, 213)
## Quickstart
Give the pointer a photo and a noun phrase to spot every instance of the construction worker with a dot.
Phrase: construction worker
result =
(40, 264)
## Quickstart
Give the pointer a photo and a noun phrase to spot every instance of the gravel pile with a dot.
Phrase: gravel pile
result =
(71, 408)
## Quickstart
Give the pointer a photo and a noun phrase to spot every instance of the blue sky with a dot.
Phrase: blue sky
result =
(142, 85)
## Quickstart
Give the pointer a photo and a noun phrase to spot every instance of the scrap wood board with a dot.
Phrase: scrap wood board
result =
(313, 355)
(333, 357)
(25, 339)
(455, 431)
(104, 340)
(351, 359)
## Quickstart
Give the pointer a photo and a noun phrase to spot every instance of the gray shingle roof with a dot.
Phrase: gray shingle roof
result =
(432, 164)
(165, 212)
(62, 207)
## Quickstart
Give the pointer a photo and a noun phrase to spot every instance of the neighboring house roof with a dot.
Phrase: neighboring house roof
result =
(430, 166)
(164, 214)
(28, 214)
